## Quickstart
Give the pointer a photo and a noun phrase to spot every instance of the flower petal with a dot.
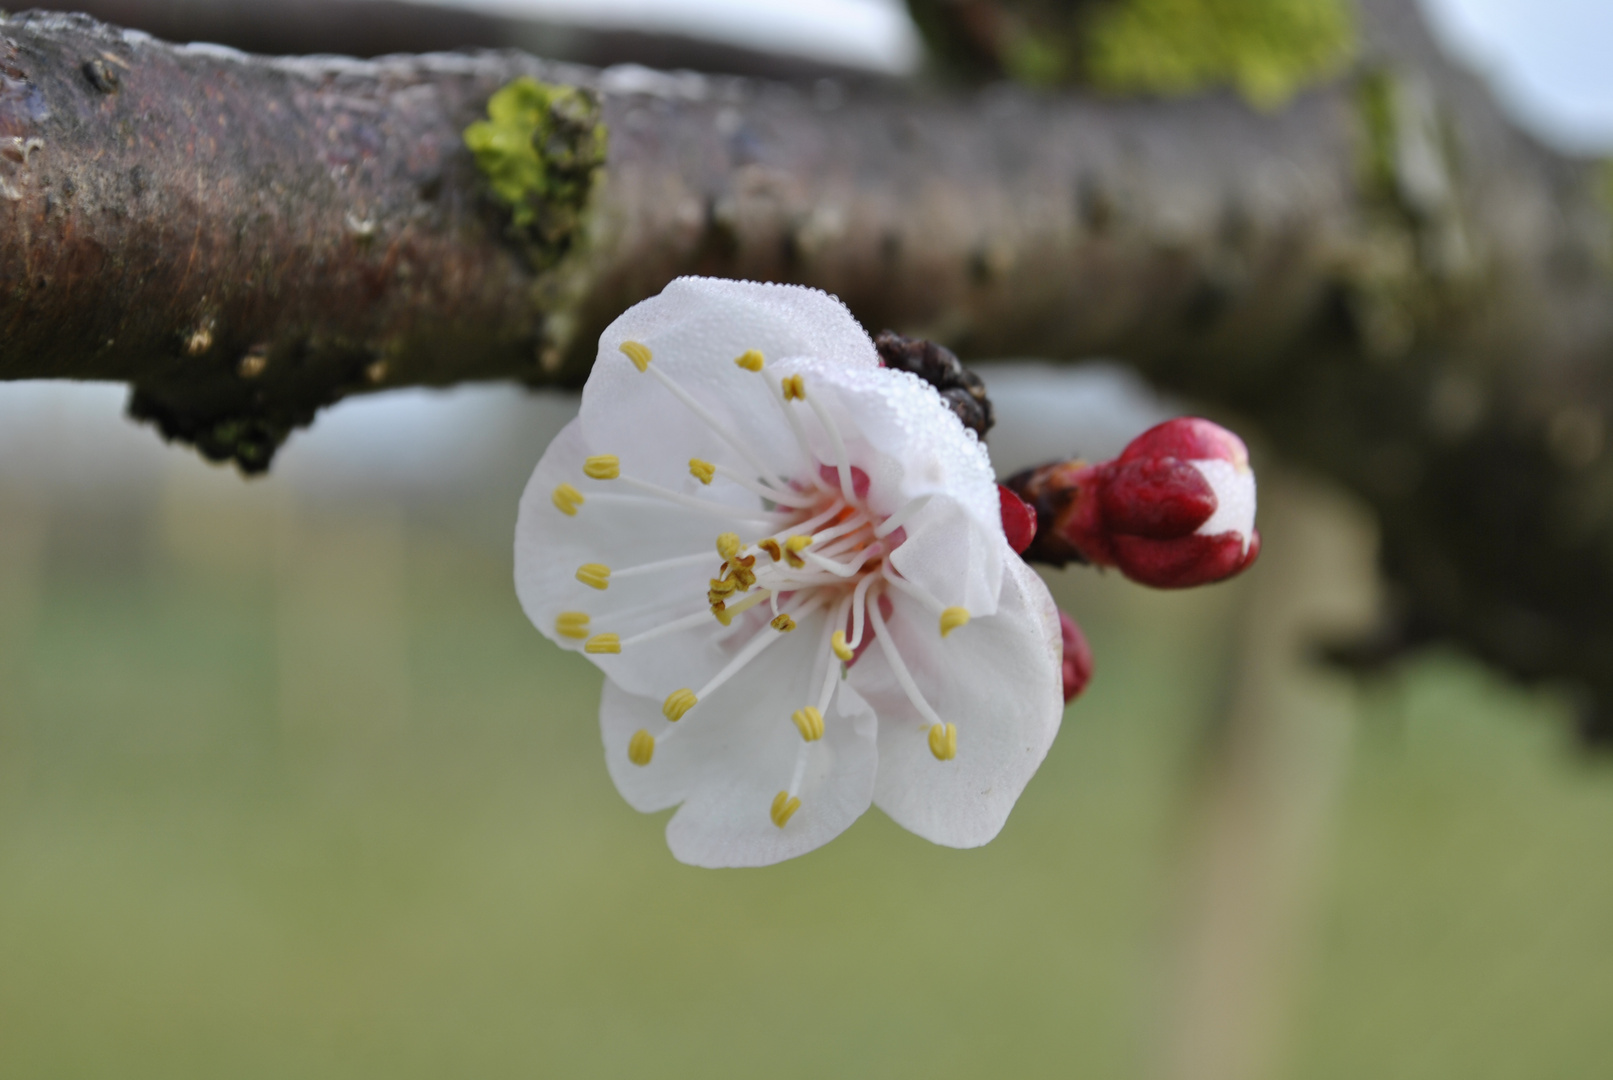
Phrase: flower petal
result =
(551, 545)
(999, 679)
(695, 329)
(728, 758)
(953, 558)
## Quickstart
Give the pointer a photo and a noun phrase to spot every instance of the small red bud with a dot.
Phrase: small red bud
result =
(1019, 520)
(1159, 498)
(1175, 509)
(1190, 438)
(1077, 658)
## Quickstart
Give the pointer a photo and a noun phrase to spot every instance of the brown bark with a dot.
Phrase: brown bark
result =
(1400, 289)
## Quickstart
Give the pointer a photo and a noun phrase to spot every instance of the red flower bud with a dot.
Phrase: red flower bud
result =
(1175, 509)
(1077, 658)
(1019, 520)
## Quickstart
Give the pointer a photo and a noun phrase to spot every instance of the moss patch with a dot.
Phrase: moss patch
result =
(1266, 49)
(540, 149)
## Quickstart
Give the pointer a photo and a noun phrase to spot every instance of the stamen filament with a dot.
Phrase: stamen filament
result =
(688, 622)
(809, 524)
(898, 519)
(683, 500)
(715, 425)
(904, 679)
(752, 649)
(661, 494)
(749, 602)
(917, 592)
(664, 564)
(800, 770)
(845, 570)
(842, 462)
(783, 497)
(850, 525)
(799, 433)
(859, 610)
(835, 626)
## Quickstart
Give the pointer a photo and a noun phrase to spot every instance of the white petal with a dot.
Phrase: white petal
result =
(1234, 489)
(695, 329)
(950, 555)
(550, 546)
(999, 680)
(736, 750)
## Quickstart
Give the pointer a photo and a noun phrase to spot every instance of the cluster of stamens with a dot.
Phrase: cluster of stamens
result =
(822, 548)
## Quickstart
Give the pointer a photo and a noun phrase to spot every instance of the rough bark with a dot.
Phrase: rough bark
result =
(1396, 286)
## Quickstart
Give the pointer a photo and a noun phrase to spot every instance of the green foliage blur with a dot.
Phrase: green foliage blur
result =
(289, 787)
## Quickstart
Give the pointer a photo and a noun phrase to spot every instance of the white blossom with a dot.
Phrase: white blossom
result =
(789, 562)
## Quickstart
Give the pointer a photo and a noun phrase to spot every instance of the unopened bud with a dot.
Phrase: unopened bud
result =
(1176, 509)
(1077, 658)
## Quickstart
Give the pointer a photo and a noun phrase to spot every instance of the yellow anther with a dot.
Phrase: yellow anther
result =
(724, 616)
(702, 471)
(641, 747)
(944, 741)
(744, 576)
(794, 388)
(567, 499)
(952, 618)
(721, 587)
(728, 545)
(603, 643)
(784, 807)
(782, 623)
(639, 354)
(594, 575)
(602, 467)
(809, 722)
(677, 703)
(750, 360)
(792, 547)
(771, 547)
(572, 624)
(838, 643)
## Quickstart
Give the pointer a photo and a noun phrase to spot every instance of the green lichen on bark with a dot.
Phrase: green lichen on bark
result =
(1265, 49)
(541, 149)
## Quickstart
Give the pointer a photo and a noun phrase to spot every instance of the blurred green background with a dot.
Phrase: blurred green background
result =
(289, 787)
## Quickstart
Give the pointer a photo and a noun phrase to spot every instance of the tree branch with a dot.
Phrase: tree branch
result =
(1403, 291)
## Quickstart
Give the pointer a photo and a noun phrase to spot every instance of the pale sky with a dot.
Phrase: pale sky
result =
(1550, 61)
